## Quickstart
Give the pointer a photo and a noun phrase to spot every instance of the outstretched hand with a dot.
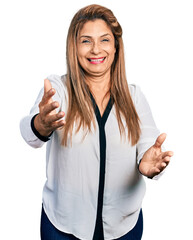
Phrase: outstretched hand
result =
(154, 160)
(48, 119)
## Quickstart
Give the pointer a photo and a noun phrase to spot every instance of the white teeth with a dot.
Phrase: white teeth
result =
(96, 60)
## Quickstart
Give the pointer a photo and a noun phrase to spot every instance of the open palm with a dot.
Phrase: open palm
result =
(154, 160)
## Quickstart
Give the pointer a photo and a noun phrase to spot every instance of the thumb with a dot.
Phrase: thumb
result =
(159, 141)
(47, 85)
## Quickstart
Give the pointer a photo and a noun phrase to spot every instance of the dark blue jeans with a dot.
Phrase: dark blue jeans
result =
(49, 232)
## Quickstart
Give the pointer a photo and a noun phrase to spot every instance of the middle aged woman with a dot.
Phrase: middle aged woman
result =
(101, 137)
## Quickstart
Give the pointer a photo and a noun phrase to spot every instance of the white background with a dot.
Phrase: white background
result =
(158, 38)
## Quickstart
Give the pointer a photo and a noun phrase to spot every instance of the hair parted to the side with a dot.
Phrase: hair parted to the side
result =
(80, 109)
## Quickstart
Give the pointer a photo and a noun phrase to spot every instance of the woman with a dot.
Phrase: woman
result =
(100, 134)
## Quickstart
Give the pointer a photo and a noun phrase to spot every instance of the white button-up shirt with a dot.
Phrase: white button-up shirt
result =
(70, 194)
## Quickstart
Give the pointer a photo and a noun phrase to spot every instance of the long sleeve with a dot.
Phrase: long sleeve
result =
(25, 124)
(149, 130)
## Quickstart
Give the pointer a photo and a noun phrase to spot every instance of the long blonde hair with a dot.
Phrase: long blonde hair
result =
(80, 108)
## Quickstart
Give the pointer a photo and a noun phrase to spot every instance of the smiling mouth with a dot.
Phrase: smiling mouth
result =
(96, 60)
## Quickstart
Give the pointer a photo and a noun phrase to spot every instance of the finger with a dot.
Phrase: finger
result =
(167, 154)
(159, 141)
(50, 108)
(47, 97)
(55, 118)
(161, 166)
(47, 85)
(153, 172)
(58, 125)
(48, 92)
(166, 160)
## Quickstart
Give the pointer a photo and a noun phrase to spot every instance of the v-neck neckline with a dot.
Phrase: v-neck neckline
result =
(102, 119)
(99, 232)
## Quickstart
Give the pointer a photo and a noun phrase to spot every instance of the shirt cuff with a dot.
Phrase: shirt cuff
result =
(42, 138)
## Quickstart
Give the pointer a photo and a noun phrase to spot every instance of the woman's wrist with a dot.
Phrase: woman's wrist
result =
(38, 130)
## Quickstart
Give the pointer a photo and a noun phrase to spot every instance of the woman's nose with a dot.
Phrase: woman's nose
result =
(96, 48)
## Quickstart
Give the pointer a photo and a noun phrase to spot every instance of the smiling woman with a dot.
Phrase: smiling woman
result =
(94, 32)
(96, 46)
(101, 137)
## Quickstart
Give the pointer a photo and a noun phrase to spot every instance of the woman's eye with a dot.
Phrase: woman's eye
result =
(85, 41)
(105, 40)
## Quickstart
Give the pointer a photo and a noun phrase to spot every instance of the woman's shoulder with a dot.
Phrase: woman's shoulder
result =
(135, 92)
(139, 99)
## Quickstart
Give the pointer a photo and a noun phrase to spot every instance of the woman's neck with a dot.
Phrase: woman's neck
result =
(99, 85)
(99, 88)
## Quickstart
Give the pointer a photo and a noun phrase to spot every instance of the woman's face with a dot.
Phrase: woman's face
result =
(96, 48)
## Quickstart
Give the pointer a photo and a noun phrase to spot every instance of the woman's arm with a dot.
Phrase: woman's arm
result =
(151, 157)
(45, 116)
(48, 120)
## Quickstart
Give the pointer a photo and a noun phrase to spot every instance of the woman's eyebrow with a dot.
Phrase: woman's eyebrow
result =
(87, 36)
(106, 34)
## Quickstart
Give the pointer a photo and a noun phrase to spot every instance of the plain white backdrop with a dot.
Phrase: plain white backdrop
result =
(158, 39)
